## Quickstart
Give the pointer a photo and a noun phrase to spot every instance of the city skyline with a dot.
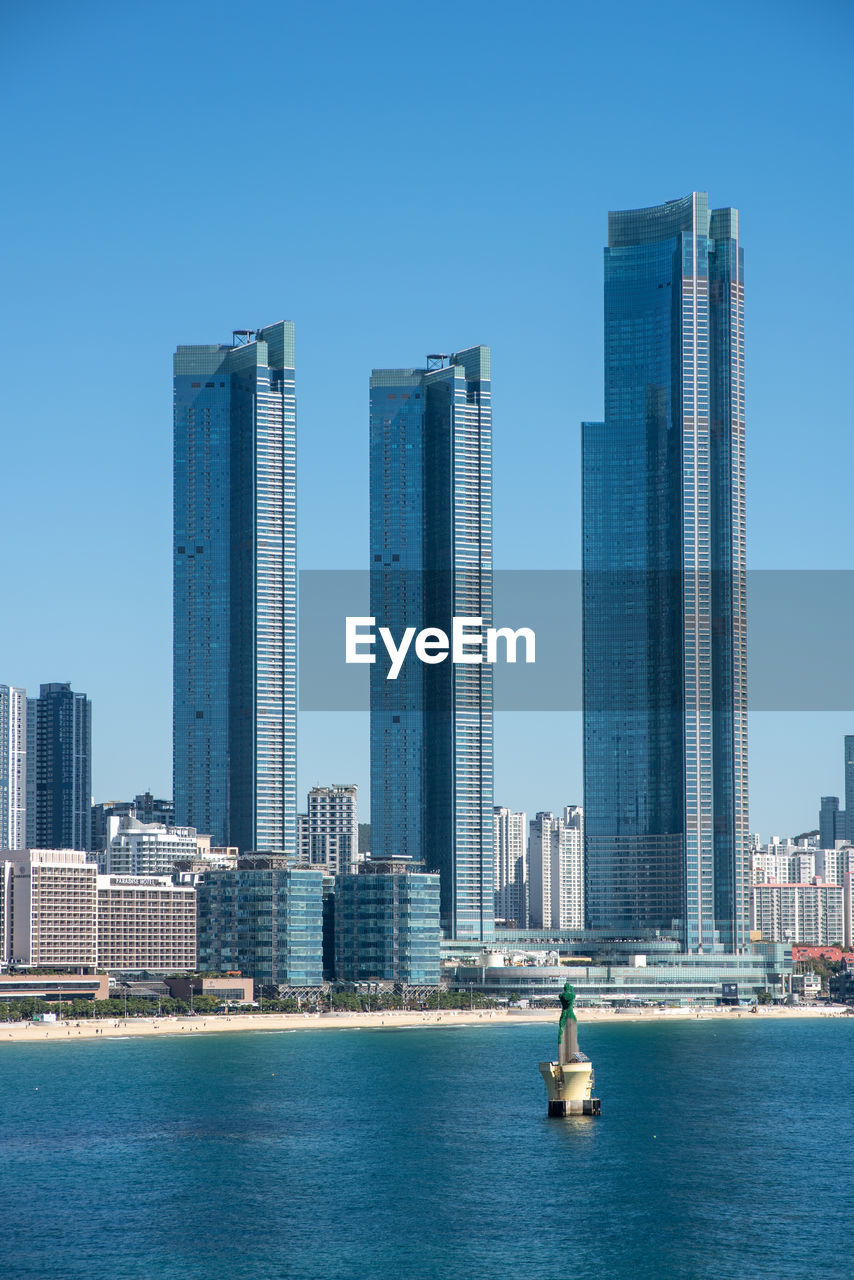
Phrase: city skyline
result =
(513, 258)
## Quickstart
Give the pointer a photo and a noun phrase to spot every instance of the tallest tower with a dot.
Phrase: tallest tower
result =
(234, 667)
(665, 664)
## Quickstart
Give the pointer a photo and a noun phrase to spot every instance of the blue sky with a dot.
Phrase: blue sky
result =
(396, 179)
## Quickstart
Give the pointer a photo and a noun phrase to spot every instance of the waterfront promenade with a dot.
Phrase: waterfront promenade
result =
(210, 1024)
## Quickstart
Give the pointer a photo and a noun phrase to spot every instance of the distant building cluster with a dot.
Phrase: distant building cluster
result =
(539, 871)
(802, 893)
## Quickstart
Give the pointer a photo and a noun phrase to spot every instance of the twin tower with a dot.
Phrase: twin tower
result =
(664, 597)
(235, 608)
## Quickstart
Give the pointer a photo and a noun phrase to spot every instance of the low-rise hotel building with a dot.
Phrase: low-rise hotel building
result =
(145, 923)
(50, 909)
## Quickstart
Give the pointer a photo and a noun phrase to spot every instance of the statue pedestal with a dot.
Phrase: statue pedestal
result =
(569, 1087)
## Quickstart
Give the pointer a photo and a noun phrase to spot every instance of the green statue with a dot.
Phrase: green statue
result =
(567, 999)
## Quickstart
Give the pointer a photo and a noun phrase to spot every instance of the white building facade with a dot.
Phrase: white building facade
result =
(137, 848)
(811, 914)
(50, 909)
(511, 867)
(556, 870)
(328, 833)
(145, 923)
(13, 767)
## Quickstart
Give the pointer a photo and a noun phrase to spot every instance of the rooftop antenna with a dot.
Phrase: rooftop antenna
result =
(436, 361)
(242, 337)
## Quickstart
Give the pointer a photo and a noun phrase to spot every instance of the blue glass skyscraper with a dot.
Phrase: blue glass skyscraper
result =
(431, 560)
(665, 663)
(235, 590)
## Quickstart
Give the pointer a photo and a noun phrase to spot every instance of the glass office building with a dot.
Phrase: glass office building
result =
(59, 769)
(665, 664)
(234, 730)
(265, 923)
(431, 560)
(387, 925)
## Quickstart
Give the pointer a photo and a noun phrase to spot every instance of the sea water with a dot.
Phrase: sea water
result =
(723, 1151)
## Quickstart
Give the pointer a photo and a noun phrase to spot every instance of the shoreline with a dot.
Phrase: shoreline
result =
(212, 1024)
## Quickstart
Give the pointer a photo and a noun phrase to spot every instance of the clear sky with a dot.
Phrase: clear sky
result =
(397, 179)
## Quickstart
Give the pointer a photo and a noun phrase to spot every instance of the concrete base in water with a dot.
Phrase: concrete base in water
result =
(569, 1087)
(576, 1107)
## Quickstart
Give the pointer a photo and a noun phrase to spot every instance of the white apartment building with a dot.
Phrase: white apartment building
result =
(50, 908)
(13, 767)
(811, 914)
(511, 866)
(145, 923)
(137, 848)
(556, 870)
(328, 833)
(788, 863)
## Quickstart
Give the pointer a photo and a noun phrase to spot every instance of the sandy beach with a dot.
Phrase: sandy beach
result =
(211, 1024)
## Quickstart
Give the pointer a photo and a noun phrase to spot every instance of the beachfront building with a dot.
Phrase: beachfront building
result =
(145, 923)
(265, 921)
(664, 589)
(387, 924)
(50, 908)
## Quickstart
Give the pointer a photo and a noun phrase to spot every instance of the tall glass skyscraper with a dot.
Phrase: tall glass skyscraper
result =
(234, 730)
(59, 769)
(665, 664)
(431, 560)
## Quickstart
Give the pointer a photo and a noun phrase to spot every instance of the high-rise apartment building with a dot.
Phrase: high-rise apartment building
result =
(808, 913)
(328, 833)
(431, 560)
(510, 842)
(665, 663)
(13, 767)
(234, 671)
(832, 825)
(59, 769)
(556, 870)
